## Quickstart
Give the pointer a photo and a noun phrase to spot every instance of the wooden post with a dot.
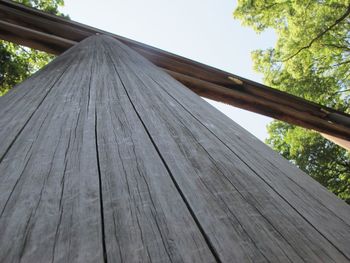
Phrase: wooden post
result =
(106, 158)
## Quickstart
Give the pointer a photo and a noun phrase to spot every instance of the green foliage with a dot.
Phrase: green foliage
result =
(322, 159)
(311, 60)
(49, 6)
(17, 62)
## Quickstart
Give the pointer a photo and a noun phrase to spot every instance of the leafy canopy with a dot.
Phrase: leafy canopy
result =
(311, 59)
(17, 62)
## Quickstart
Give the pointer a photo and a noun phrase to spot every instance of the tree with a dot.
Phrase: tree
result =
(311, 59)
(17, 62)
(326, 162)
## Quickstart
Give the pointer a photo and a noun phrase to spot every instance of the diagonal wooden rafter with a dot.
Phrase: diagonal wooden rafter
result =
(46, 32)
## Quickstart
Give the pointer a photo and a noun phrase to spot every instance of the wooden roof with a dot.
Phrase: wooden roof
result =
(106, 158)
(54, 34)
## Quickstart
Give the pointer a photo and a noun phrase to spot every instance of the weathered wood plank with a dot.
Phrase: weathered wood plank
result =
(111, 160)
(233, 135)
(251, 150)
(323, 209)
(145, 218)
(49, 188)
(230, 187)
(23, 100)
(77, 143)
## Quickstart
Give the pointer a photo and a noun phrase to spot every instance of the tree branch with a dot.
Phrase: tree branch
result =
(24, 50)
(337, 46)
(340, 19)
(341, 63)
(340, 91)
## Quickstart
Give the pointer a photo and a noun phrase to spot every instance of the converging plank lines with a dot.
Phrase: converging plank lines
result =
(106, 158)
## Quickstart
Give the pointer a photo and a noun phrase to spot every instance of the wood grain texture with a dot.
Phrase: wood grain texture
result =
(77, 143)
(145, 218)
(50, 206)
(106, 158)
(290, 221)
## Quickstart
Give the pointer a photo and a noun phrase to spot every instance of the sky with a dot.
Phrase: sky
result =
(202, 30)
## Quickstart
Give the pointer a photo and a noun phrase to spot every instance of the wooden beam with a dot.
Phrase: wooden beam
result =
(34, 39)
(54, 34)
(343, 143)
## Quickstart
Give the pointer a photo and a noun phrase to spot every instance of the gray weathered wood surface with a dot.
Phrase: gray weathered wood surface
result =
(105, 158)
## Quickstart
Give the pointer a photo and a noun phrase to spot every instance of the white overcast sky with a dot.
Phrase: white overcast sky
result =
(202, 30)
